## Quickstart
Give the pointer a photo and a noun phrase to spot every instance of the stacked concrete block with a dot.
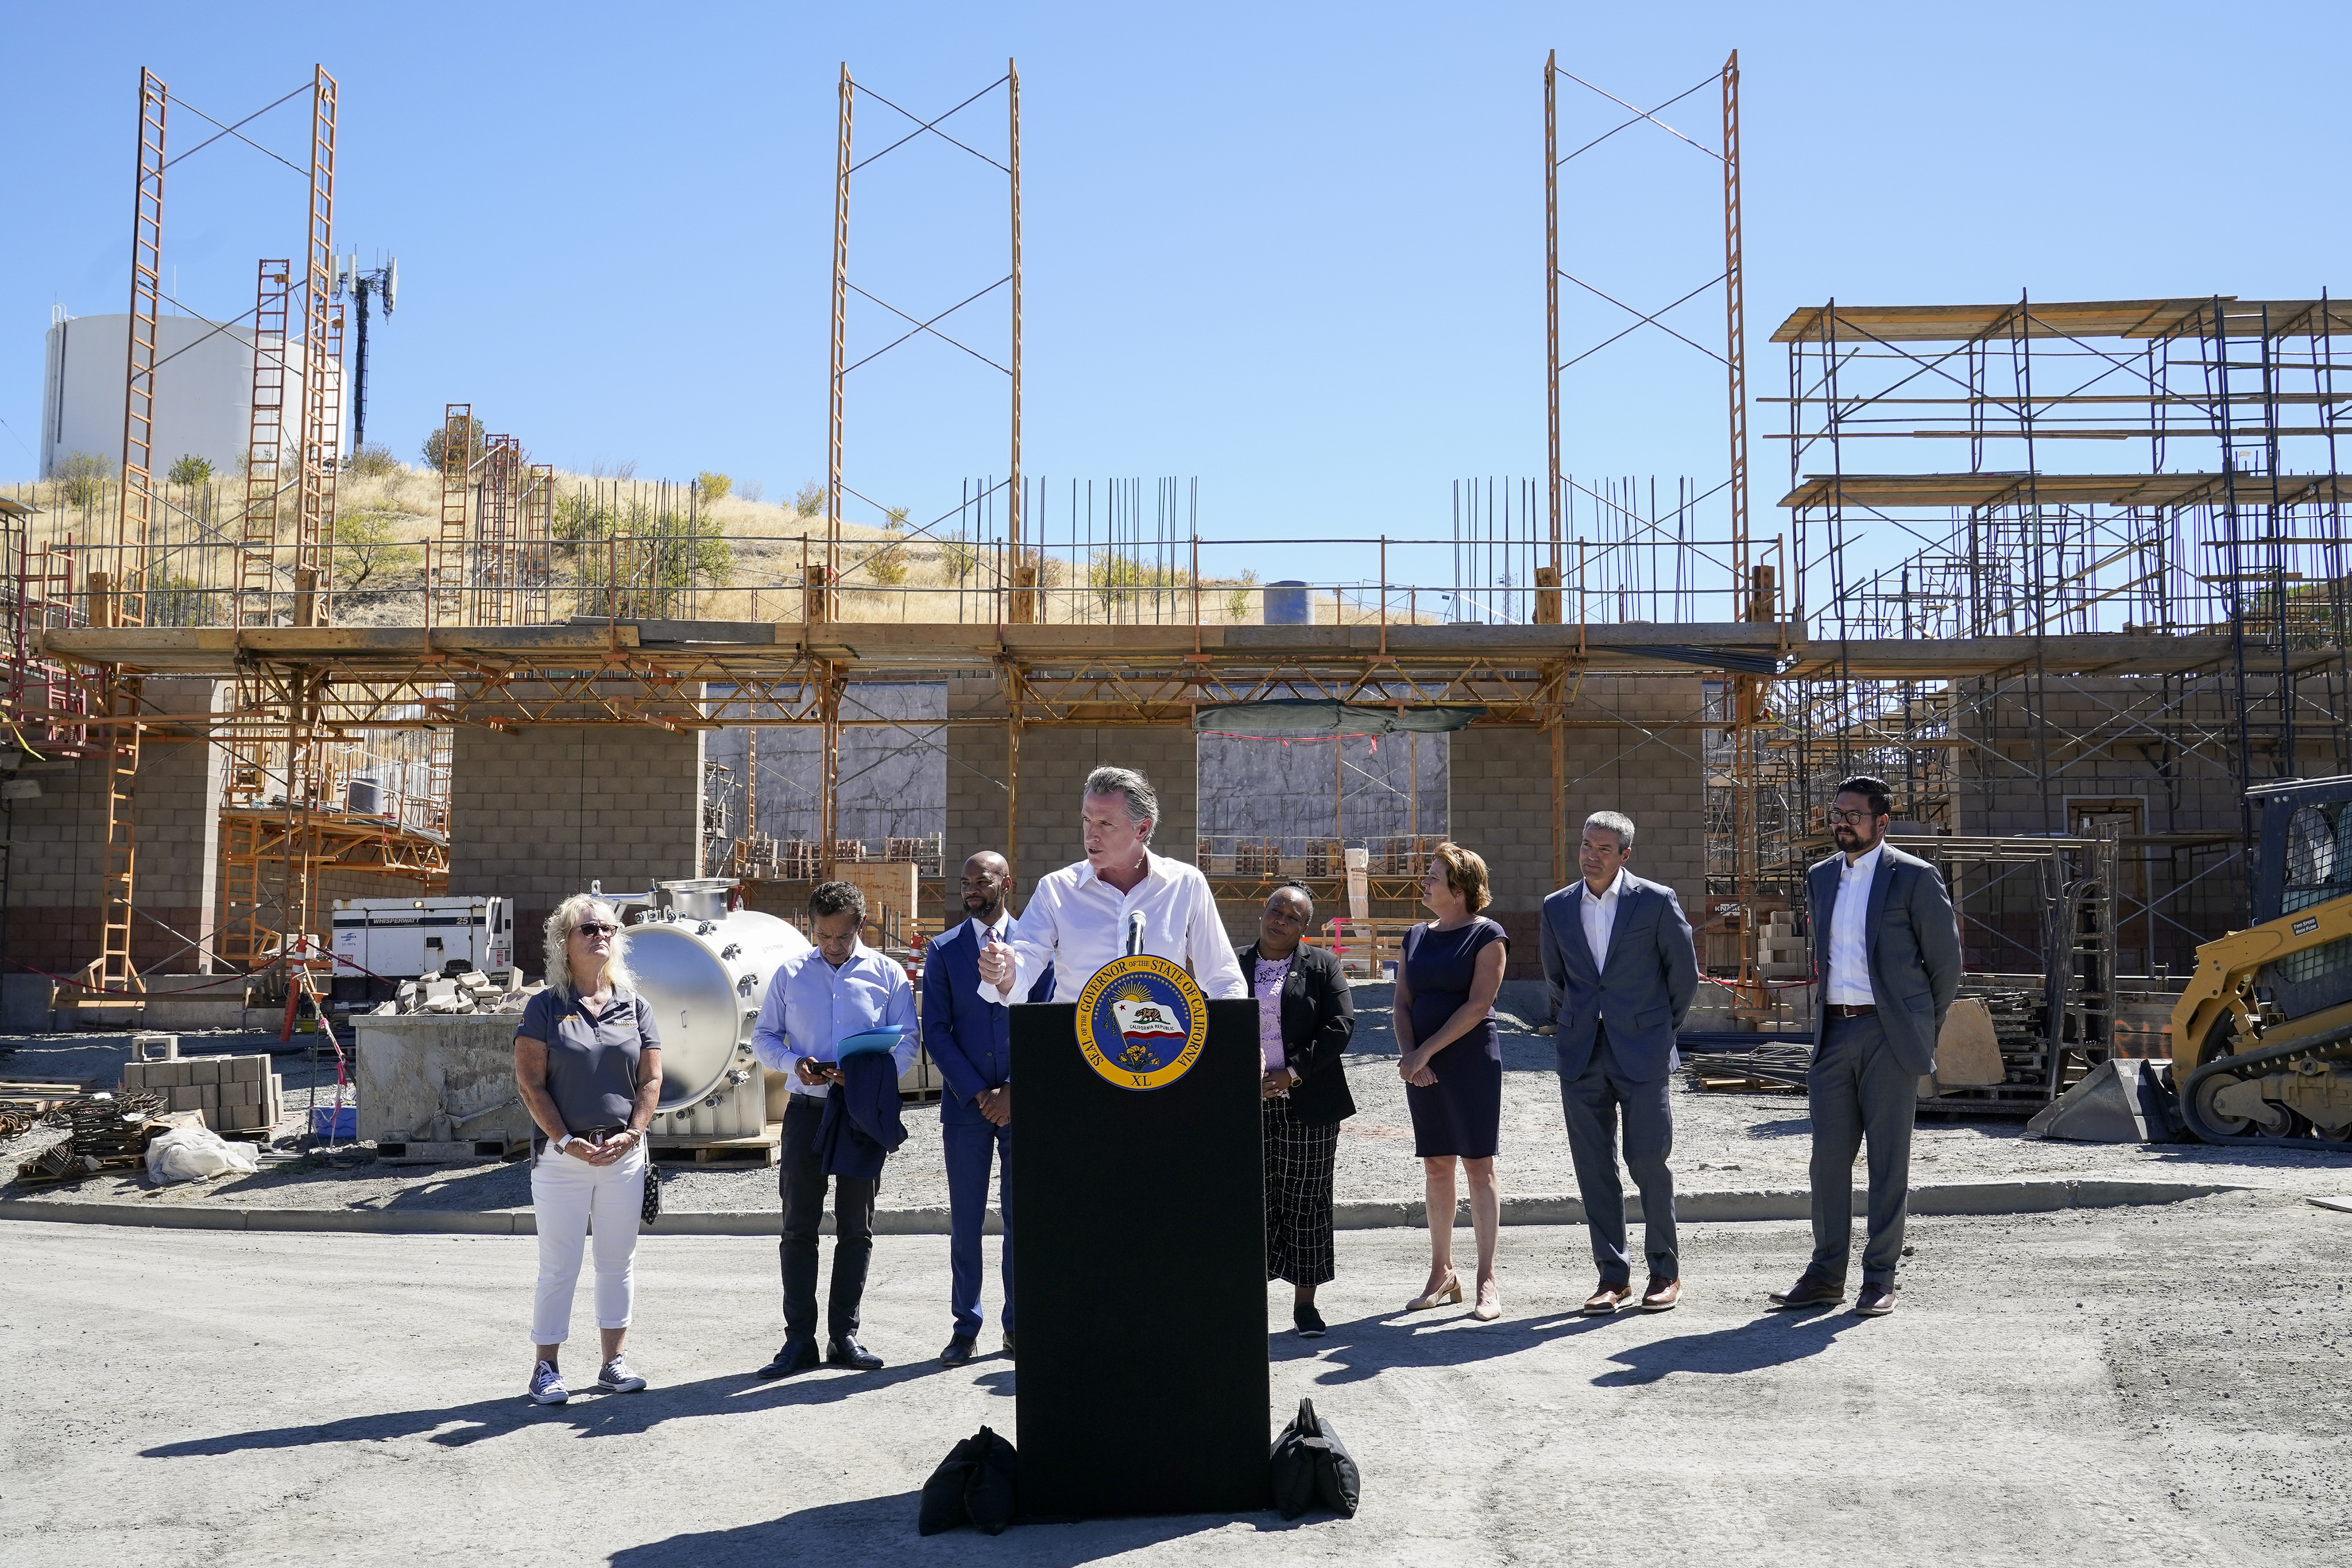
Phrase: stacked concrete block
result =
(1780, 953)
(539, 814)
(235, 1093)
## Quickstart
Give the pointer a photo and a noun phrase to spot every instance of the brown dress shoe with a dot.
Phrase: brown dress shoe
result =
(1875, 1301)
(1608, 1297)
(1809, 1292)
(1661, 1295)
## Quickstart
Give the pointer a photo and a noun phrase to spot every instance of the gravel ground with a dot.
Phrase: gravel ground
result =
(1723, 1143)
(2116, 1387)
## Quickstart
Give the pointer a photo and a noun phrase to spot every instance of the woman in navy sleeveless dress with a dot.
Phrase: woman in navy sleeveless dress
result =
(1452, 1064)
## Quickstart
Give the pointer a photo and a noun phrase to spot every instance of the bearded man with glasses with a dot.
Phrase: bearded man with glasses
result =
(1886, 965)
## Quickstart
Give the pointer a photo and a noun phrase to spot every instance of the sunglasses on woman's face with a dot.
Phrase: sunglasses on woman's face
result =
(595, 928)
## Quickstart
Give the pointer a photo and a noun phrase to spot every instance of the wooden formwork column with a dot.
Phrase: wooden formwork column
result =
(1015, 701)
(830, 678)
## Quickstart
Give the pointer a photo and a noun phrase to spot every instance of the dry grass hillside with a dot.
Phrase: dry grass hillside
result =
(641, 548)
(737, 559)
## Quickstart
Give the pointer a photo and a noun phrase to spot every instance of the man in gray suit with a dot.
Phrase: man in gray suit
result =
(1619, 963)
(1886, 963)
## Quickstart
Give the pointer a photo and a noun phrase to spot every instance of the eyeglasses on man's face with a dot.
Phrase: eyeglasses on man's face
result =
(1852, 818)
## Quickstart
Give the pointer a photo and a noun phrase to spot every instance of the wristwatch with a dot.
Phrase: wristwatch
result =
(1295, 1079)
(563, 1142)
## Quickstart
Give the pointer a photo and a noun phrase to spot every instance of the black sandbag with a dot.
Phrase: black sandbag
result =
(989, 1495)
(1312, 1469)
(943, 1507)
(973, 1485)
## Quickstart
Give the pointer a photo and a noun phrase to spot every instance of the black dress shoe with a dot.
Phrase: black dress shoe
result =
(959, 1351)
(1008, 1344)
(1308, 1321)
(848, 1353)
(795, 1356)
(1810, 1291)
(1875, 1301)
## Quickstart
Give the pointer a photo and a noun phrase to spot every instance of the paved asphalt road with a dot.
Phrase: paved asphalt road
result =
(2119, 1386)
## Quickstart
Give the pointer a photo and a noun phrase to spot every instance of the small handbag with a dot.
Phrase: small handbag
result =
(1312, 1469)
(651, 1211)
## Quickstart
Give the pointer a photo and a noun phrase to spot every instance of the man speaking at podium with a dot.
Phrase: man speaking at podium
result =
(1120, 899)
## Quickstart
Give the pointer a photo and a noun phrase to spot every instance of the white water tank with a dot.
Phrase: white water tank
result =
(204, 390)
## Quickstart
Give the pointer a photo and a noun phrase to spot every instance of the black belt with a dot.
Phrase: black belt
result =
(1841, 1011)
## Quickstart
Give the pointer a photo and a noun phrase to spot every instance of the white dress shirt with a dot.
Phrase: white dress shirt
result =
(1601, 917)
(812, 1006)
(1848, 981)
(1077, 923)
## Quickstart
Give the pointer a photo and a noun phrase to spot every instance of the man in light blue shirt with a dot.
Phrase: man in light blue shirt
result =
(838, 990)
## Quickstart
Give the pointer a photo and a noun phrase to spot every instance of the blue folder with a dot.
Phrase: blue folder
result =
(884, 1039)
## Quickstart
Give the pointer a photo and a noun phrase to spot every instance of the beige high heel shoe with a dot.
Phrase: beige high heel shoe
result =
(1490, 1302)
(1451, 1290)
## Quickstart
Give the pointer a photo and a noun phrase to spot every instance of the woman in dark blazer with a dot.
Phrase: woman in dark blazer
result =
(1305, 1018)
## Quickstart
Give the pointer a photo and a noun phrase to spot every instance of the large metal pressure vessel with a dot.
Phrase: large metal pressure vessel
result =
(704, 968)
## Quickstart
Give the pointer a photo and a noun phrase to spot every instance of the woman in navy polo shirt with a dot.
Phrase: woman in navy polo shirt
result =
(589, 1065)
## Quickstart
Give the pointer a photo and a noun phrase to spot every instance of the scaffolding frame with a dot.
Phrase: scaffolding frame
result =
(2222, 563)
(819, 581)
(1740, 716)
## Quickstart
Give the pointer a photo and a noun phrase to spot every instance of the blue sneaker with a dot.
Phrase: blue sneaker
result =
(616, 1377)
(547, 1385)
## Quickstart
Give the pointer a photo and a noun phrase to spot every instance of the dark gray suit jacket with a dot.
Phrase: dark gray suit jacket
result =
(1915, 951)
(1642, 993)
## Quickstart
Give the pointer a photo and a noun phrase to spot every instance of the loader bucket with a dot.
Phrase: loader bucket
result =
(2121, 1101)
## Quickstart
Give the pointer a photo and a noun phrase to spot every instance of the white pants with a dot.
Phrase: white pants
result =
(565, 1192)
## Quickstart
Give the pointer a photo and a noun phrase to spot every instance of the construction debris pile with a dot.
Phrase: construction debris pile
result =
(102, 1131)
(471, 991)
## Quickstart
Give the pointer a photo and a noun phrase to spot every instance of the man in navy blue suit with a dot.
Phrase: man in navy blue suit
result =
(970, 1044)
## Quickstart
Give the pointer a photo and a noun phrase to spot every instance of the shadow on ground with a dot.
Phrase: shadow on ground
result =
(866, 1529)
(1364, 1348)
(1772, 1340)
(589, 1414)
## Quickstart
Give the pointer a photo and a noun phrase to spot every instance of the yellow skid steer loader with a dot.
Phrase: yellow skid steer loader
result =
(2262, 1040)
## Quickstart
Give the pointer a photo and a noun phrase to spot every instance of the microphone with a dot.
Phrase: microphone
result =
(1135, 934)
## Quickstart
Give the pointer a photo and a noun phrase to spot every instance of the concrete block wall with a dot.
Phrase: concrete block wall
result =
(57, 850)
(1055, 762)
(537, 813)
(2102, 739)
(1630, 745)
(337, 882)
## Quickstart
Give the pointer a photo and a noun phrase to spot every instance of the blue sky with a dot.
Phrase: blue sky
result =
(1293, 250)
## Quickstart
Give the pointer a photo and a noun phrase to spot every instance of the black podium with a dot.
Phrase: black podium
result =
(1139, 1267)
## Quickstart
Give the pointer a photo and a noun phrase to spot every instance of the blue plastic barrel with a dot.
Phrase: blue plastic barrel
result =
(1288, 603)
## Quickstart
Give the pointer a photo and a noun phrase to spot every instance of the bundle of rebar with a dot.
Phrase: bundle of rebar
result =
(1769, 1067)
(102, 1131)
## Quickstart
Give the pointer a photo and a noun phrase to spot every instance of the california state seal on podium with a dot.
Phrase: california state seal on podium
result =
(1142, 1022)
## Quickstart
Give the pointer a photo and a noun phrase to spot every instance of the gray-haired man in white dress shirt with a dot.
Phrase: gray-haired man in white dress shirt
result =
(1121, 898)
